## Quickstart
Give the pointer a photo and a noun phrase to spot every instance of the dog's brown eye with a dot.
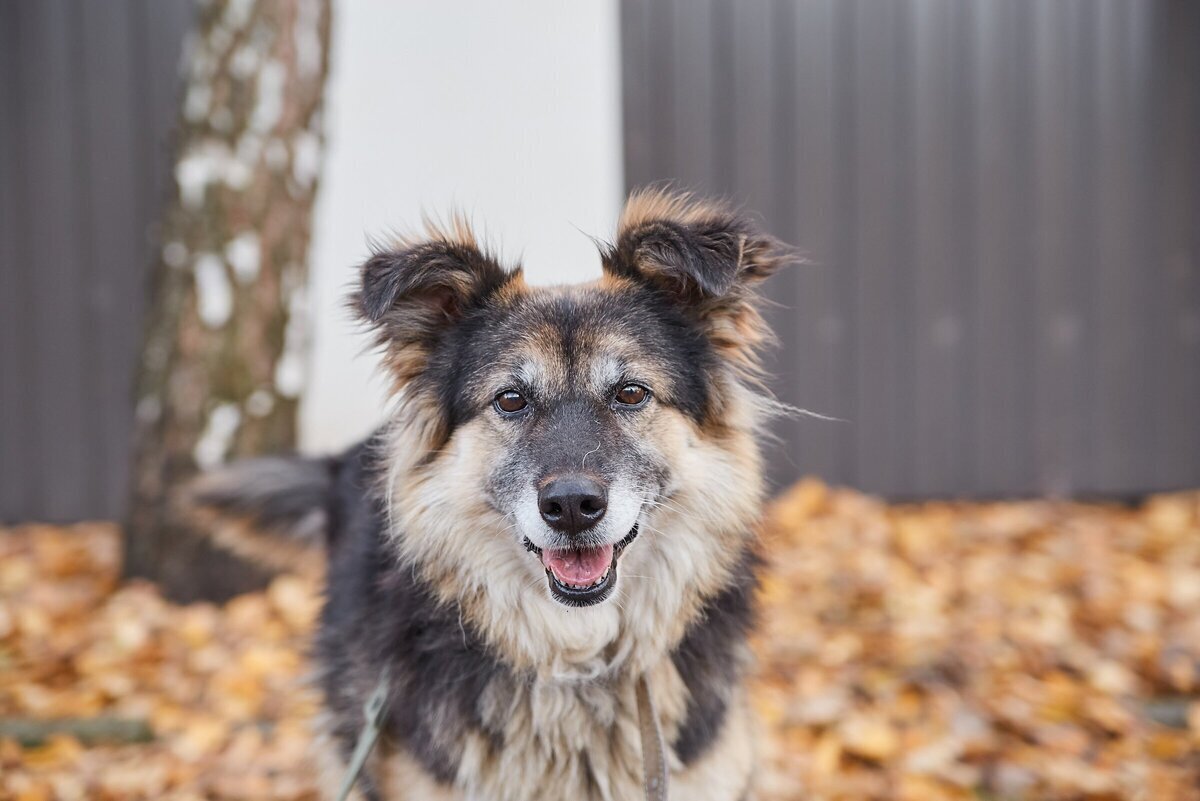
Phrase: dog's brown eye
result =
(632, 395)
(510, 401)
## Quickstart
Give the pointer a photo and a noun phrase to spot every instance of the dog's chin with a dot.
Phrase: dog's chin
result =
(582, 576)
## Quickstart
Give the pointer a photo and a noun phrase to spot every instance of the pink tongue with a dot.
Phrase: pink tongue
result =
(578, 566)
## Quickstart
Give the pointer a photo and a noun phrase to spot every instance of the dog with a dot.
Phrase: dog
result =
(559, 516)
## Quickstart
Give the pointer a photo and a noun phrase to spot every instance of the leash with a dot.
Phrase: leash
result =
(374, 711)
(654, 752)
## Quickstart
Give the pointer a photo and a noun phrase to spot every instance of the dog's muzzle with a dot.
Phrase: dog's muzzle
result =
(582, 576)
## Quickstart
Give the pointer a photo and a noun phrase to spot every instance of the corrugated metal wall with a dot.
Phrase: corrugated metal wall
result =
(87, 101)
(1001, 204)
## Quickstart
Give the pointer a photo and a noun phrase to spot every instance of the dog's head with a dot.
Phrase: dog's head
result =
(568, 422)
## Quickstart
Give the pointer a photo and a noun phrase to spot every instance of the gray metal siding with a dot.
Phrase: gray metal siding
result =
(999, 202)
(87, 102)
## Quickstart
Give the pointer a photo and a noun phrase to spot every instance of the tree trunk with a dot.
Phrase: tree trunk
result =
(224, 350)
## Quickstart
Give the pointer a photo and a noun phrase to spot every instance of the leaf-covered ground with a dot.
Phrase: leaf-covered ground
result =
(1031, 650)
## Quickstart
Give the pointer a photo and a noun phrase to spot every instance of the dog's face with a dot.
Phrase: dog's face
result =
(570, 400)
(576, 414)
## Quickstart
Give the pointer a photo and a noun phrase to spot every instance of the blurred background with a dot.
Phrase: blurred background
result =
(998, 202)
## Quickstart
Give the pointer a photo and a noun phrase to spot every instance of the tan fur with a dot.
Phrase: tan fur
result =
(454, 230)
(735, 325)
(652, 204)
(578, 717)
(570, 723)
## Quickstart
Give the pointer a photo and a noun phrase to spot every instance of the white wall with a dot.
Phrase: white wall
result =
(508, 111)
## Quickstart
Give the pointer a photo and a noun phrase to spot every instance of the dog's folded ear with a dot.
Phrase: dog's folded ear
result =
(413, 290)
(704, 255)
(699, 248)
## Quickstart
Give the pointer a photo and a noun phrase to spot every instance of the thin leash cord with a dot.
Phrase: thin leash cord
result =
(374, 711)
(654, 752)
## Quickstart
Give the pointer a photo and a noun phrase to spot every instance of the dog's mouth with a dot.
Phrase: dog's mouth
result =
(582, 576)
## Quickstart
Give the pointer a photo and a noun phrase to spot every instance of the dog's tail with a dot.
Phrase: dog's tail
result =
(272, 510)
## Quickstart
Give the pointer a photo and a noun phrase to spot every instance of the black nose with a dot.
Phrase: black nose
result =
(572, 503)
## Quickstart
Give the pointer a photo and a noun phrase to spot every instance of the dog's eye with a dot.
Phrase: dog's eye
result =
(509, 402)
(632, 395)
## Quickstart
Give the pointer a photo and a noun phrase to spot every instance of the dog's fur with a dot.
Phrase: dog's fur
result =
(500, 690)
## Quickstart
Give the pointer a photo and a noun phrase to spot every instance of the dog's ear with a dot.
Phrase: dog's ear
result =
(412, 291)
(705, 256)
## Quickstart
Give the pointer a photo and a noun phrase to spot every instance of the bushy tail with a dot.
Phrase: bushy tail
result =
(273, 510)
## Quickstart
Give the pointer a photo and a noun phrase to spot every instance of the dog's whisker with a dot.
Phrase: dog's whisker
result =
(663, 504)
(668, 505)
